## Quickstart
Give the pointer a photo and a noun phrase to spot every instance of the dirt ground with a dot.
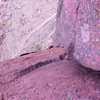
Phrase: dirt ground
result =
(25, 26)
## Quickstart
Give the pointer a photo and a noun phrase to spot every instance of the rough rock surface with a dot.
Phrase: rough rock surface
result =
(78, 30)
(30, 61)
(54, 74)
(24, 24)
(55, 78)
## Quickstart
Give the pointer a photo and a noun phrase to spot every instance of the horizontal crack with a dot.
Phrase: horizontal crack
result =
(27, 53)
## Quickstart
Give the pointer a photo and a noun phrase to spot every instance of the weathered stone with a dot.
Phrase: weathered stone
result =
(57, 80)
(54, 74)
(9, 69)
(78, 27)
(24, 26)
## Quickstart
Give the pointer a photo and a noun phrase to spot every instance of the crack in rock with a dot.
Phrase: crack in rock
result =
(38, 65)
(12, 76)
(60, 5)
(2, 97)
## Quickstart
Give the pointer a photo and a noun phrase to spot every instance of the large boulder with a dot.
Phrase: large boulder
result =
(24, 26)
(78, 30)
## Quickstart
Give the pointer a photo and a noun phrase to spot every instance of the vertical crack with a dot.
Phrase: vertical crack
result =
(2, 97)
(77, 9)
(60, 5)
(70, 52)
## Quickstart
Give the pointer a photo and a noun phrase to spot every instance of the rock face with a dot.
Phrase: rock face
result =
(47, 76)
(24, 26)
(58, 73)
(78, 28)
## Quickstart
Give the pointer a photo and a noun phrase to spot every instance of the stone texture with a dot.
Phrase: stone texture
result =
(52, 79)
(24, 26)
(31, 61)
(78, 28)
(54, 74)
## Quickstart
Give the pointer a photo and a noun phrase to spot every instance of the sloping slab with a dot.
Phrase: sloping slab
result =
(11, 69)
(47, 76)
(63, 80)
